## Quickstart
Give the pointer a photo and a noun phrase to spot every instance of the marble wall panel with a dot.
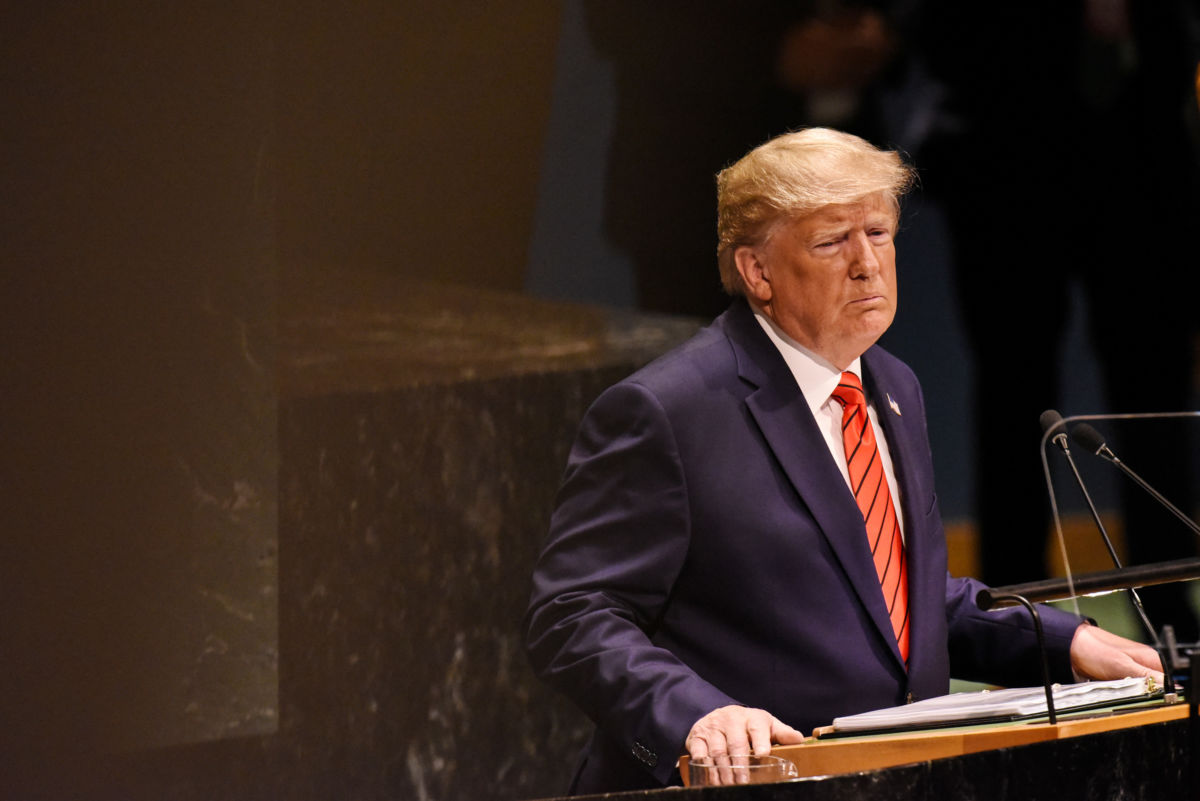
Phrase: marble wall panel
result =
(410, 518)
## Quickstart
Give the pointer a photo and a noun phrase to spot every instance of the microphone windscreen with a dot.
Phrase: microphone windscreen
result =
(1087, 437)
(1050, 420)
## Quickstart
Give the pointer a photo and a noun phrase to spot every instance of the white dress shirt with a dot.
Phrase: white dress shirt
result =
(817, 378)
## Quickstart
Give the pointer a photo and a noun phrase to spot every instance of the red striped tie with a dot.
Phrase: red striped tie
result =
(875, 501)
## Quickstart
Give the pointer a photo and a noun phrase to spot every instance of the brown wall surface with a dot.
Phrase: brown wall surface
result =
(165, 170)
(410, 136)
(138, 556)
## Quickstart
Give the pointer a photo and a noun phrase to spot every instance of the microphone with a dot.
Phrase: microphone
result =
(1087, 437)
(1051, 421)
(1090, 439)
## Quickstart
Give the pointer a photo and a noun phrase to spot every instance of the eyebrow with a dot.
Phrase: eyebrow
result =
(826, 233)
(840, 228)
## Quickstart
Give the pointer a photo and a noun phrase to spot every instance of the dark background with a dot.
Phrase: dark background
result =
(200, 200)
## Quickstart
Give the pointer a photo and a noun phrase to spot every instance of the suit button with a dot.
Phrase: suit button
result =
(644, 755)
(908, 699)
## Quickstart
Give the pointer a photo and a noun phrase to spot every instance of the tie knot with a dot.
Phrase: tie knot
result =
(849, 391)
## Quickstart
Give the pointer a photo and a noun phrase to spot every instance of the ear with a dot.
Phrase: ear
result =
(754, 273)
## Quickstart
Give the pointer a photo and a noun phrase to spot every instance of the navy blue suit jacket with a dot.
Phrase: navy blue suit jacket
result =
(705, 550)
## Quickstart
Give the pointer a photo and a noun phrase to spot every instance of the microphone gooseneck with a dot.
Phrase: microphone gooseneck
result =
(1090, 439)
(1052, 420)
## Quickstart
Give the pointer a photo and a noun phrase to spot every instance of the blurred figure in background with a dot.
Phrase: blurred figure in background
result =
(699, 86)
(1076, 122)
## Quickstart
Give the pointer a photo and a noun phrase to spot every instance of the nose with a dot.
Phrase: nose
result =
(864, 262)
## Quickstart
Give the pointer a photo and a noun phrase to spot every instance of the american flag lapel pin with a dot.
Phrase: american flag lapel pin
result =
(895, 406)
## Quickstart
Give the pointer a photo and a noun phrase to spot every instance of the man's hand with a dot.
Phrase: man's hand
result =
(738, 730)
(1100, 654)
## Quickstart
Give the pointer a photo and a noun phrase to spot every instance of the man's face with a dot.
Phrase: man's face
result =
(829, 279)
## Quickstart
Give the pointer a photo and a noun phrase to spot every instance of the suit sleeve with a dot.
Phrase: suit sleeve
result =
(1000, 647)
(618, 540)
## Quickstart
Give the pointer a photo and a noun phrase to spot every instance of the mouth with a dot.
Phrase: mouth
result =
(868, 301)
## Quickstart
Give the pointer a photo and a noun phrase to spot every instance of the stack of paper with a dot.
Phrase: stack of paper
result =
(1007, 704)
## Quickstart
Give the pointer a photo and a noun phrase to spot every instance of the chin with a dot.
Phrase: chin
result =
(876, 323)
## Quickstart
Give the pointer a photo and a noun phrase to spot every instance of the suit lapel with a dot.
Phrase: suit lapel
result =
(783, 417)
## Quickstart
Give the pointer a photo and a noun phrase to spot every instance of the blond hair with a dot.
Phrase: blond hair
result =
(793, 175)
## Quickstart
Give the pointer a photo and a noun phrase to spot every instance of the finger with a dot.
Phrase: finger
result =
(737, 735)
(1153, 672)
(1131, 667)
(722, 769)
(702, 748)
(759, 729)
(1127, 665)
(706, 739)
(1149, 658)
(709, 743)
(697, 748)
(785, 734)
(731, 773)
(738, 745)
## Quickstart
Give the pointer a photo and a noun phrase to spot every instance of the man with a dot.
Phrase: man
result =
(709, 582)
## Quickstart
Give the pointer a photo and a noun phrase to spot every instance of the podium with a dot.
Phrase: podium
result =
(855, 754)
(1132, 756)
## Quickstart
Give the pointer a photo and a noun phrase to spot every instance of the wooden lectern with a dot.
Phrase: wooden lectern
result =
(1140, 754)
(854, 754)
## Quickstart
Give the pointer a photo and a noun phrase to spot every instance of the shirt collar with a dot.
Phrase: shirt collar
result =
(816, 375)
